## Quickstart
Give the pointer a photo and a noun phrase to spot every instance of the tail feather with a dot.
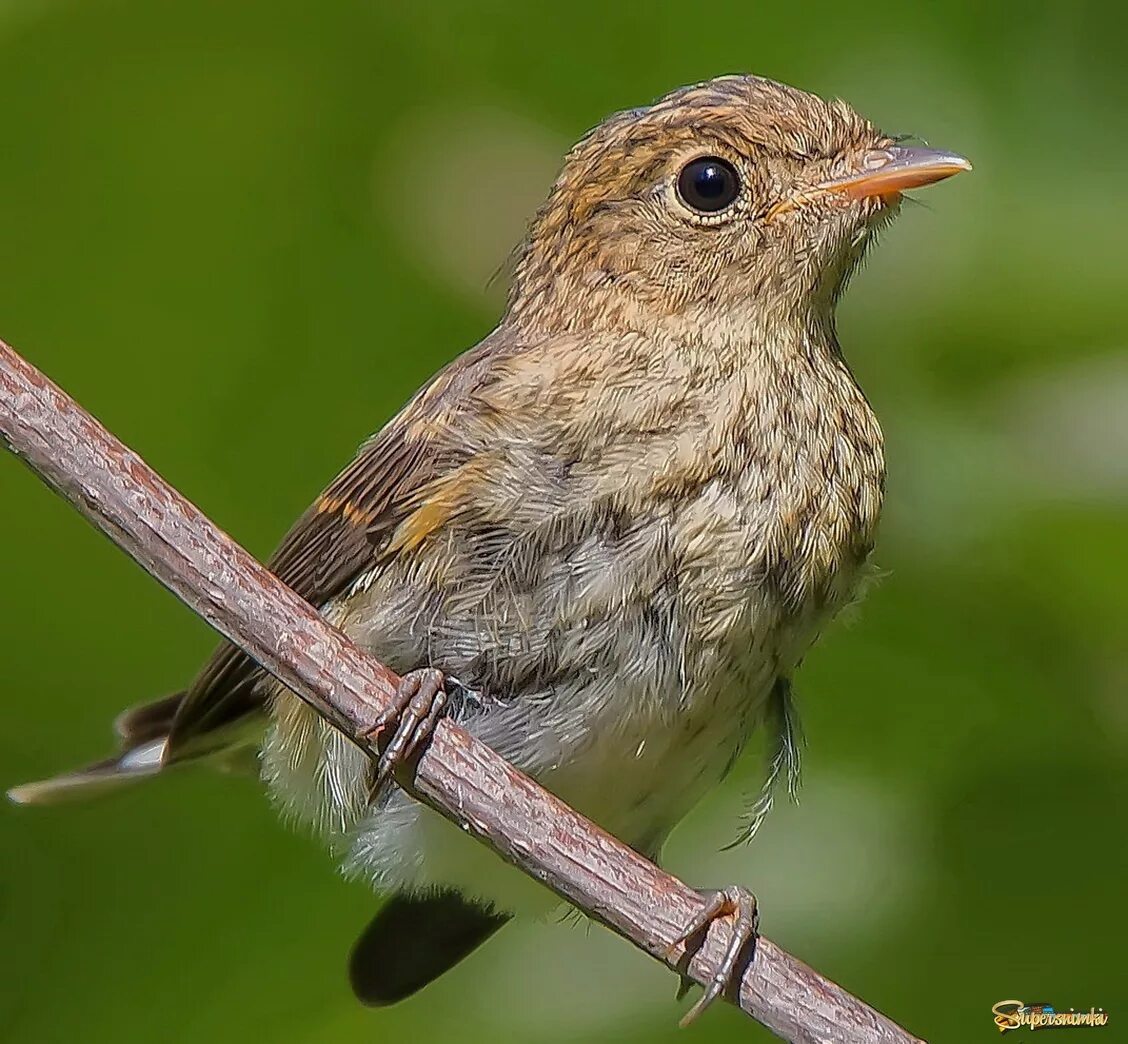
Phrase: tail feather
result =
(131, 766)
(143, 732)
(413, 940)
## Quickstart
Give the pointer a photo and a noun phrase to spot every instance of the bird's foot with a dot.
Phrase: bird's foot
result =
(738, 905)
(420, 702)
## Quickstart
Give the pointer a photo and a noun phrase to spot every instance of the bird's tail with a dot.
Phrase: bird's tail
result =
(414, 939)
(143, 738)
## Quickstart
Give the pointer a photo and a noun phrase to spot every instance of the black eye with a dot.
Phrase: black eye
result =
(708, 184)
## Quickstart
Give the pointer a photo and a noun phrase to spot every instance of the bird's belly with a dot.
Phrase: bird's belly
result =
(641, 767)
(640, 774)
(636, 778)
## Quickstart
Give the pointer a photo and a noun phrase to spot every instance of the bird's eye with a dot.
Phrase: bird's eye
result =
(708, 184)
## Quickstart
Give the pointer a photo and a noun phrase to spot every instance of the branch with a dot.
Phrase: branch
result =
(457, 775)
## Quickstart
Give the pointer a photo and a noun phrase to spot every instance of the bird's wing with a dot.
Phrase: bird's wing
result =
(343, 534)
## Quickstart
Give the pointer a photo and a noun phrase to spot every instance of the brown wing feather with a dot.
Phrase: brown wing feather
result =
(340, 537)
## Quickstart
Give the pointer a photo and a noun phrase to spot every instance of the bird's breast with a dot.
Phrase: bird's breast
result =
(780, 520)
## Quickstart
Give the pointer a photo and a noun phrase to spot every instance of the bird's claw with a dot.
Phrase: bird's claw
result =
(737, 904)
(420, 702)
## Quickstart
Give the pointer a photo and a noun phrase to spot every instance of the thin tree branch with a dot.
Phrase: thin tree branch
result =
(457, 775)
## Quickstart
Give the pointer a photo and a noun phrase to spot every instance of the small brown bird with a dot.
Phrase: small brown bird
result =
(602, 539)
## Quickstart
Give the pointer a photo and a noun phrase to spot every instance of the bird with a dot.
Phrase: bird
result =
(603, 539)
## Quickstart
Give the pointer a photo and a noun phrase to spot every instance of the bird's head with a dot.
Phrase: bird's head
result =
(733, 192)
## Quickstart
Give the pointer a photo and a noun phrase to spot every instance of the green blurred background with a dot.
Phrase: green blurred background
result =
(243, 233)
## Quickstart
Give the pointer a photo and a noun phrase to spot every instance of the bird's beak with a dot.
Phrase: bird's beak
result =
(895, 169)
(885, 172)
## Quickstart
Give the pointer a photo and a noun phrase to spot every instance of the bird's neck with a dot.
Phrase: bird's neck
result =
(752, 372)
(756, 336)
(769, 326)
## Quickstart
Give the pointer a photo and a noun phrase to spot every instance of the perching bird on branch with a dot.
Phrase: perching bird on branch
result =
(603, 539)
